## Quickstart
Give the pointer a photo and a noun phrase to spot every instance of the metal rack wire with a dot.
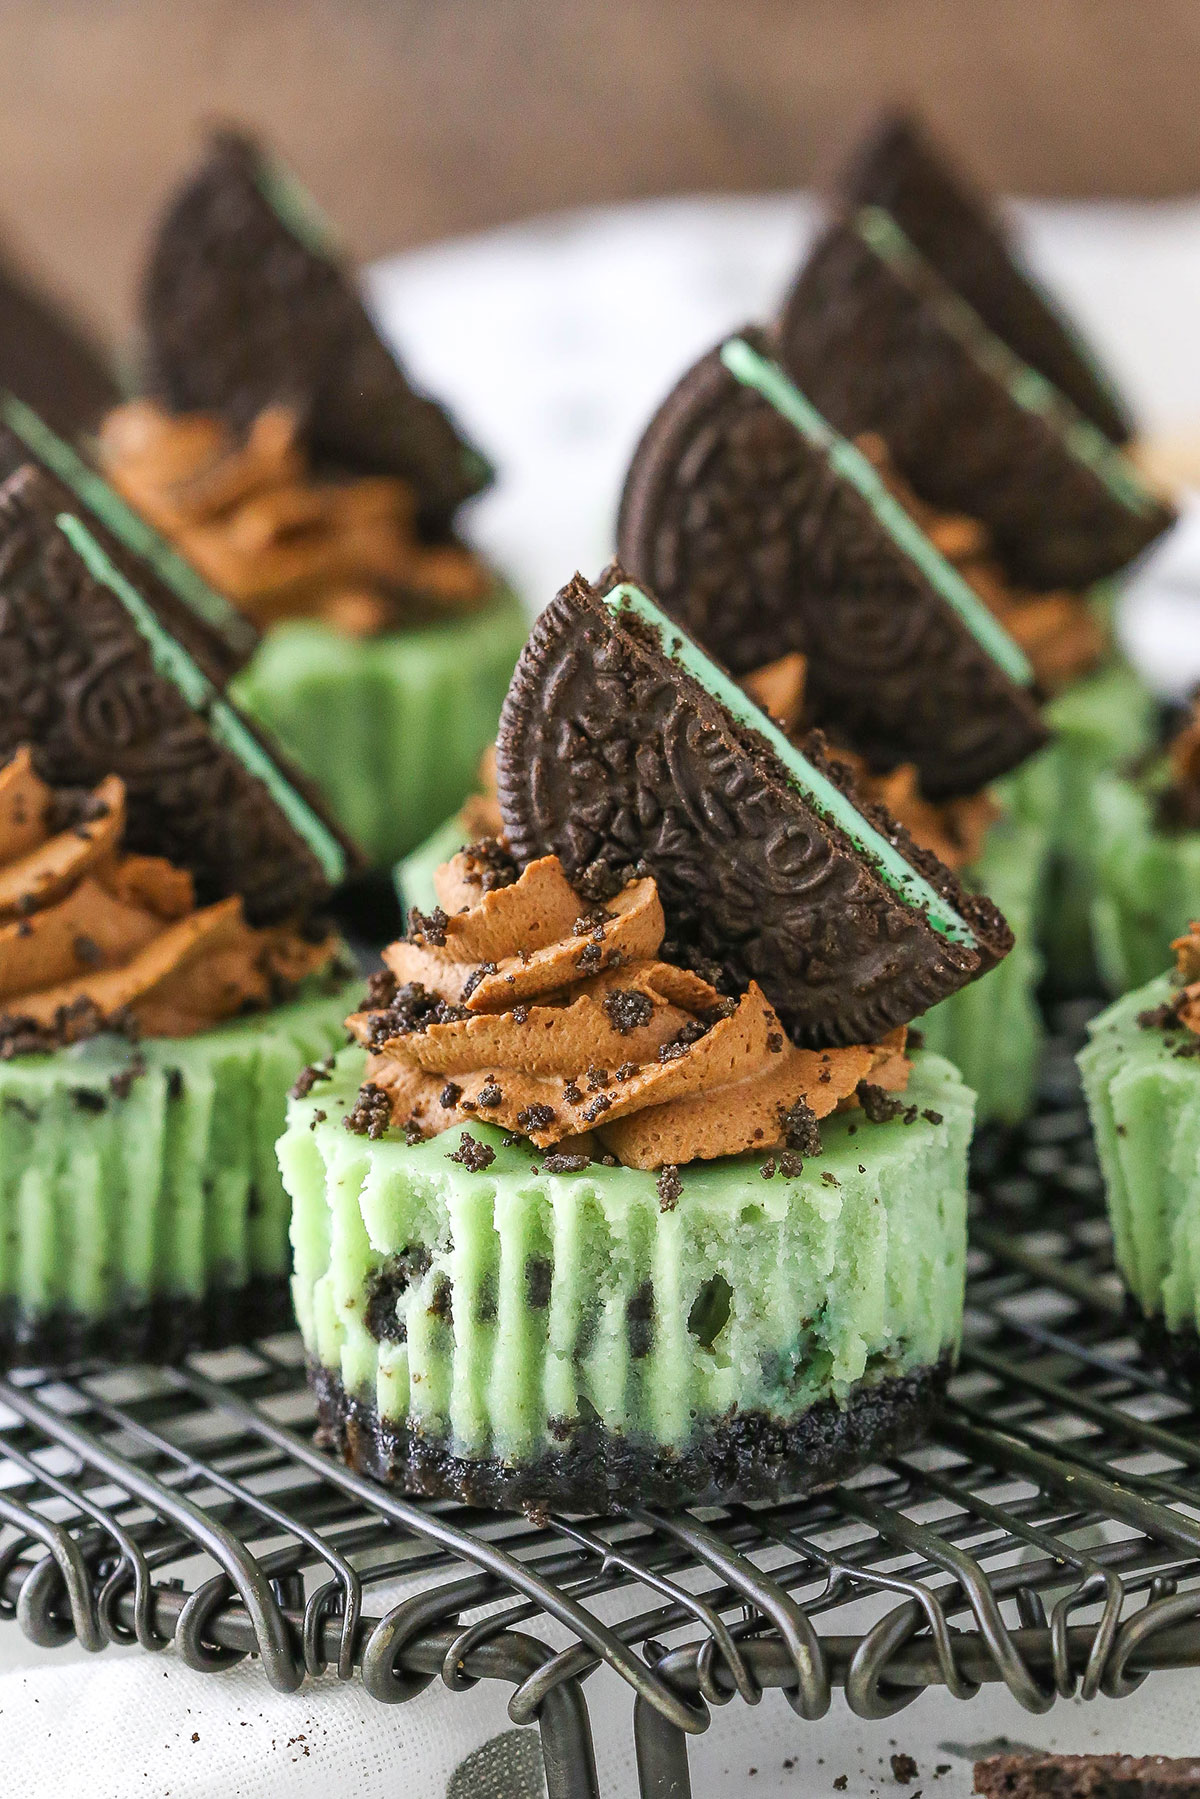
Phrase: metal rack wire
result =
(1047, 1537)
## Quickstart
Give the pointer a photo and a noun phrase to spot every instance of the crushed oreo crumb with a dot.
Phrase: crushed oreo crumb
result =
(491, 864)
(683, 1040)
(430, 926)
(450, 1095)
(489, 1096)
(473, 980)
(87, 951)
(412, 1010)
(877, 1104)
(791, 1164)
(930, 1116)
(626, 1009)
(670, 1187)
(601, 1103)
(767, 1170)
(775, 1042)
(590, 958)
(566, 1164)
(371, 1113)
(381, 990)
(535, 1118)
(473, 1155)
(520, 1014)
(572, 1093)
(798, 1128)
(596, 1078)
(591, 924)
(385, 1285)
(308, 1077)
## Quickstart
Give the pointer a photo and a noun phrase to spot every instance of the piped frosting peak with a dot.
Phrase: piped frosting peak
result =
(524, 1006)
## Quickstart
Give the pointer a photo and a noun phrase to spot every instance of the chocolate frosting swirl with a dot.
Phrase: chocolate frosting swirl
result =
(520, 1005)
(92, 937)
(253, 518)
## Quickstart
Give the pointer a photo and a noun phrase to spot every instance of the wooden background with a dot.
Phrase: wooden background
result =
(410, 119)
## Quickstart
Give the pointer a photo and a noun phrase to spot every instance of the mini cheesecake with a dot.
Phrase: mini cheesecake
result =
(164, 971)
(1141, 1075)
(957, 228)
(281, 449)
(631, 1191)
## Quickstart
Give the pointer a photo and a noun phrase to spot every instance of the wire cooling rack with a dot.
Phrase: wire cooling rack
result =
(1047, 1537)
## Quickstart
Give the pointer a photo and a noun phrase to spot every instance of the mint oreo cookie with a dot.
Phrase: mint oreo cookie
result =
(763, 531)
(92, 678)
(246, 304)
(957, 229)
(623, 747)
(880, 342)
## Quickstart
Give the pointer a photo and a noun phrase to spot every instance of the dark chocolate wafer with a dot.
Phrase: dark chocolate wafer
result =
(93, 680)
(955, 226)
(879, 342)
(763, 532)
(623, 747)
(213, 629)
(246, 304)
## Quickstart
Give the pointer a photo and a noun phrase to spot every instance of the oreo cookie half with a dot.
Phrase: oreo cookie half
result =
(956, 228)
(879, 342)
(95, 682)
(246, 304)
(762, 531)
(210, 626)
(622, 746)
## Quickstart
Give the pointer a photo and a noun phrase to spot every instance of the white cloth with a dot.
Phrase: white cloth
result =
(553, 342)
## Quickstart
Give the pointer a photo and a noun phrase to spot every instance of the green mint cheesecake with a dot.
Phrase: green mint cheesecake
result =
(165, 967)
(631, 1189)
(1141, 1077)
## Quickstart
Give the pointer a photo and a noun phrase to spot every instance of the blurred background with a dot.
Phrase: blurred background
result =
(411, 120)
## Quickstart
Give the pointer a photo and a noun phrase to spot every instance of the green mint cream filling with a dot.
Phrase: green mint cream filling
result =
(128, 526)
(815, 787)
(1031, 390)
(768, 379)
(177, 666)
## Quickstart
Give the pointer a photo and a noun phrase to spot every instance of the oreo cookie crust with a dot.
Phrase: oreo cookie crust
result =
(246, 305)
(622, 746)
(879, 342)
(95, 683)
(764, 533)
(955, 227)
(741, 1456)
